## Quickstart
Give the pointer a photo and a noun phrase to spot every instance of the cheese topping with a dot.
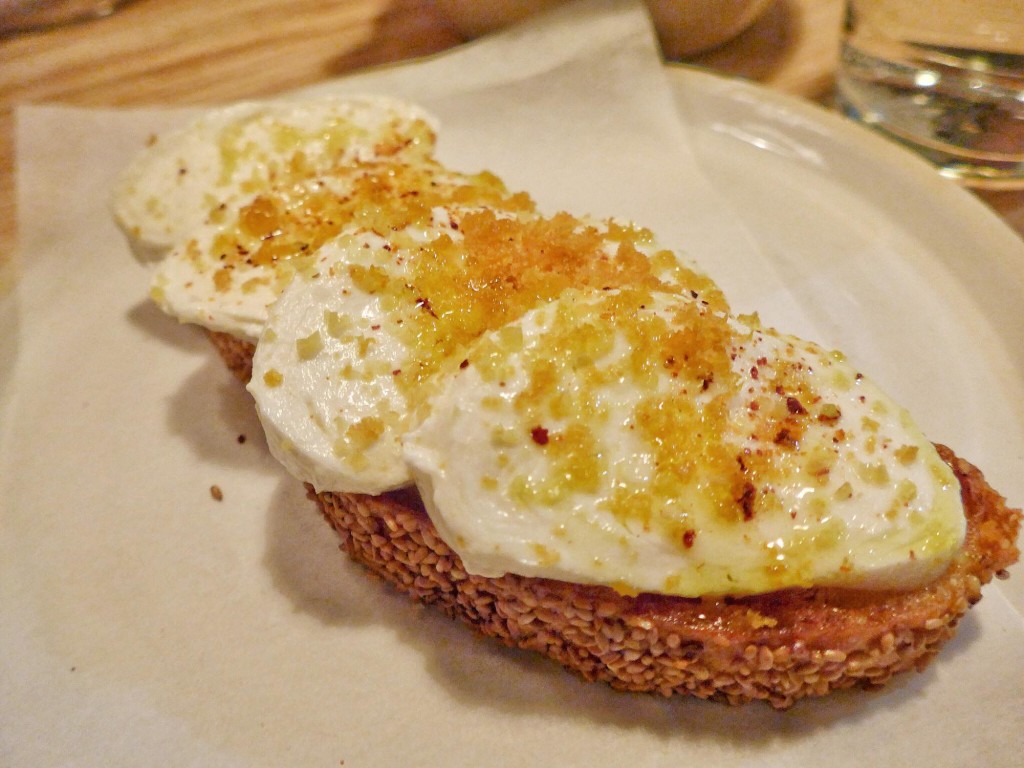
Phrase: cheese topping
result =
(170, 188)
(346, 364)
(326, 369)
(640, 440)
(572, 401)
(227, 273)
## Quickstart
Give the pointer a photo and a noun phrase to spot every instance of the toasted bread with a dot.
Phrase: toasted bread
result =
(778, 647)
(235, 352)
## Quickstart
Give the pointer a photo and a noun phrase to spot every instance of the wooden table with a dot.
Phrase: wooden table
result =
(198, 52)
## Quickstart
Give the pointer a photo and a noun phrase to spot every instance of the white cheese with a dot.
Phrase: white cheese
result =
(326, 367)
(640, 441)
(233, 267)
(347, 361)
(171, 187)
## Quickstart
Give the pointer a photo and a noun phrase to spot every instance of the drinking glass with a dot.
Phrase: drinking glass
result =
(944, 77)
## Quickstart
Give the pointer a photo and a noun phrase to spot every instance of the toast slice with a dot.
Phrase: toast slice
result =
(778, 647)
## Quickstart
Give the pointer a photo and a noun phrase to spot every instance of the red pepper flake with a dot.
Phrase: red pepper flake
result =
(241, 439)
(794, 406)
(754, 372)
(464, 364)
(746, 501)
(689, 536)
(375, 327)
(783, 437)
(424, 303)
(396, 372)
(539, 435)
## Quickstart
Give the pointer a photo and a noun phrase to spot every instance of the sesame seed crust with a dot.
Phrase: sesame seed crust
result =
(235, 352)
(778, 647)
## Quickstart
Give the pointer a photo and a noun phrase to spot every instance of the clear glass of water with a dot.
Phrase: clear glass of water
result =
(944, 77)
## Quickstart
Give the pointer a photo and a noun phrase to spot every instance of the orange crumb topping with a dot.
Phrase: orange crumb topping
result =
(684, 422)
(284, 225)
(332, 142)
(459, 287)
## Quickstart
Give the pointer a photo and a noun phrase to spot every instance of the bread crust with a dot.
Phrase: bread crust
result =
(779, 647)
(235, 352)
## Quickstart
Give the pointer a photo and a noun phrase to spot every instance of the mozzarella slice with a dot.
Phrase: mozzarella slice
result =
(231, 268)
(639, 440)
(347, 362)
(173, 185)
(325, 370)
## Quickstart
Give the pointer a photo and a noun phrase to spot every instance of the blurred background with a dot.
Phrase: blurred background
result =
(178, 52)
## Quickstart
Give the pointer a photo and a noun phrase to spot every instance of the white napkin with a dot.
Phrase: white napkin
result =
(574, 107)
(143, 622)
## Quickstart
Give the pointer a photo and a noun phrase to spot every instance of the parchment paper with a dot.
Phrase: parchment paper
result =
(142, 622)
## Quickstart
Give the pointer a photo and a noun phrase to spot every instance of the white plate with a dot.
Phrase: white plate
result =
(144, 621)
(865, 248)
